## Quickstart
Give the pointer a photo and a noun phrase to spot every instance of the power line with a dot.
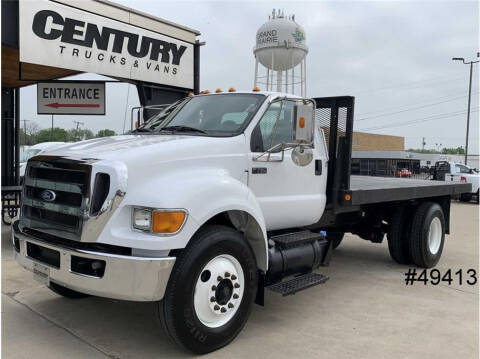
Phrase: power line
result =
(413, 84)
(419, 120)
(410, 109)
(401, 107)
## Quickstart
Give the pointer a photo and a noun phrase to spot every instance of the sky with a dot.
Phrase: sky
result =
(393, 56)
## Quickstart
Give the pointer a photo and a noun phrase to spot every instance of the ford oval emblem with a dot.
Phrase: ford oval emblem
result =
(48, 195)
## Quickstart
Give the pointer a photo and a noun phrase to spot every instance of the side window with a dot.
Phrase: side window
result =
(461, 169)
(275, 127)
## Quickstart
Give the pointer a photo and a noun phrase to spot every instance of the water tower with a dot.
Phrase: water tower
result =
(280, 48)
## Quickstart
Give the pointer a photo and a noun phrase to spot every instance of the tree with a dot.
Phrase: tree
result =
(80, 135)
(49, 135)
(454, 151)
(106, 133)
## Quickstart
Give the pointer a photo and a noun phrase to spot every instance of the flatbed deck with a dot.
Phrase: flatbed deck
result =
(368, 189)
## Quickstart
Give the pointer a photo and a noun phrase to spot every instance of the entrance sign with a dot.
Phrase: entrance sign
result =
(53, 34)
(71, 98)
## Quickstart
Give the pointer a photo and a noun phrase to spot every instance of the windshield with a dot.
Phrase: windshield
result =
(26, 155)
(214, 115)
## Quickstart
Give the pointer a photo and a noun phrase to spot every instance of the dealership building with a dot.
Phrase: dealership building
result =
(46, 40)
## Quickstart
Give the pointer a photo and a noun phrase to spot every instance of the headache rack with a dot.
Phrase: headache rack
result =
(334, 115)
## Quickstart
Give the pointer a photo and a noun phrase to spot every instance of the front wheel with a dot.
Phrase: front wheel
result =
(211, 290)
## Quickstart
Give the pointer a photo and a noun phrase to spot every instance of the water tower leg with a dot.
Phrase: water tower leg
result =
(256, 73)
(293, 77)
(271, 80)
(279, 81)
(305, 75)
(286, 81)
(268, 78)
(301, 79)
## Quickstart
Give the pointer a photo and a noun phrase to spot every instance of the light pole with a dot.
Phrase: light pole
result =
(469, 98)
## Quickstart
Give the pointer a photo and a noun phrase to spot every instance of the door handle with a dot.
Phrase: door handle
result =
(318, 167)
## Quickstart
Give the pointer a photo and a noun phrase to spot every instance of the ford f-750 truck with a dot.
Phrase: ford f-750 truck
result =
(216, 199)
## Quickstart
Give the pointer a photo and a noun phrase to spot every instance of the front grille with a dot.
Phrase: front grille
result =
(56, 196)
(60, 219)
(58, 174)
(62, 197)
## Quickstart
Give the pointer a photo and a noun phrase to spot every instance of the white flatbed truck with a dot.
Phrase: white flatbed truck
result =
(218, 198)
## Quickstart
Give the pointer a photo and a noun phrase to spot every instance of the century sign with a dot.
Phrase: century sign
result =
(71, 98)
(53, 34)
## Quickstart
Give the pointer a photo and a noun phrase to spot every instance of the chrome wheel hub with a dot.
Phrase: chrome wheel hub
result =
(435, 235)
(219, 290)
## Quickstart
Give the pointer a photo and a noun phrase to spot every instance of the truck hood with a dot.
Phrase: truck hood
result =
(149, 148)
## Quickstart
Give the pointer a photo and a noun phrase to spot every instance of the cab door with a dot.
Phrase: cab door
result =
(289, 195)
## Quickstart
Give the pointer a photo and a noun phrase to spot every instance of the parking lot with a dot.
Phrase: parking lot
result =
(365, 310)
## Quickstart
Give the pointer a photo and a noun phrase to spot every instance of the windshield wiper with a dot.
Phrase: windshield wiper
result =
(182, 129)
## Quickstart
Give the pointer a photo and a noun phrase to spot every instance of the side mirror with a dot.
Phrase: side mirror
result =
(304, 122)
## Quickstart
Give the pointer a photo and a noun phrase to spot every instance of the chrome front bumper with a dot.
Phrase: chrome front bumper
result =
(125, 277)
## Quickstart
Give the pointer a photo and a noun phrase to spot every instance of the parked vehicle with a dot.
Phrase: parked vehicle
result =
(457, 172)
(404, 172)
(201, 211)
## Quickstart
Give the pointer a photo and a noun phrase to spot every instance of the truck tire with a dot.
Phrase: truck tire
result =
(211, 290)
(466, 197)
(427, 235)
(66, 292)
(336, 238)
(398, 234)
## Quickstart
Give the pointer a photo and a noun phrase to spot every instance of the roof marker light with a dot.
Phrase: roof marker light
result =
(231, 89)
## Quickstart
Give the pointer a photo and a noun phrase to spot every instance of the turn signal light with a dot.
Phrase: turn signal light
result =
(256, 88)
(301, 122)
(231, 89)
(167, 222)
(347, 197)
(218, 90)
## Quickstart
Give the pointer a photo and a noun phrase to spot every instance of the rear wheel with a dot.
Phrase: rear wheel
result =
(66, 292)
(427, 235)
(211, 290)
(466, 197)
(398, 234)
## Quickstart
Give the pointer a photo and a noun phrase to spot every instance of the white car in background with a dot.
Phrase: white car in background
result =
(457, 172)
(34, 151)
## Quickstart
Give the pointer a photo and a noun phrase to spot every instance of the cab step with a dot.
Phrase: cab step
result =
(296, 238)
(296, 284)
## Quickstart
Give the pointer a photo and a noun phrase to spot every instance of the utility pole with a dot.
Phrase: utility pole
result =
(423, 143)
(76, 130)
(469, 97)
(25, 129)
(51, 133)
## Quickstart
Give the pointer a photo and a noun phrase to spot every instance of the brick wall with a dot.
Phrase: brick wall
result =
(362, 141)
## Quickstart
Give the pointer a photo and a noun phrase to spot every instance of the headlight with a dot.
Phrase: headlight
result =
(142, 219)
(159, 221)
